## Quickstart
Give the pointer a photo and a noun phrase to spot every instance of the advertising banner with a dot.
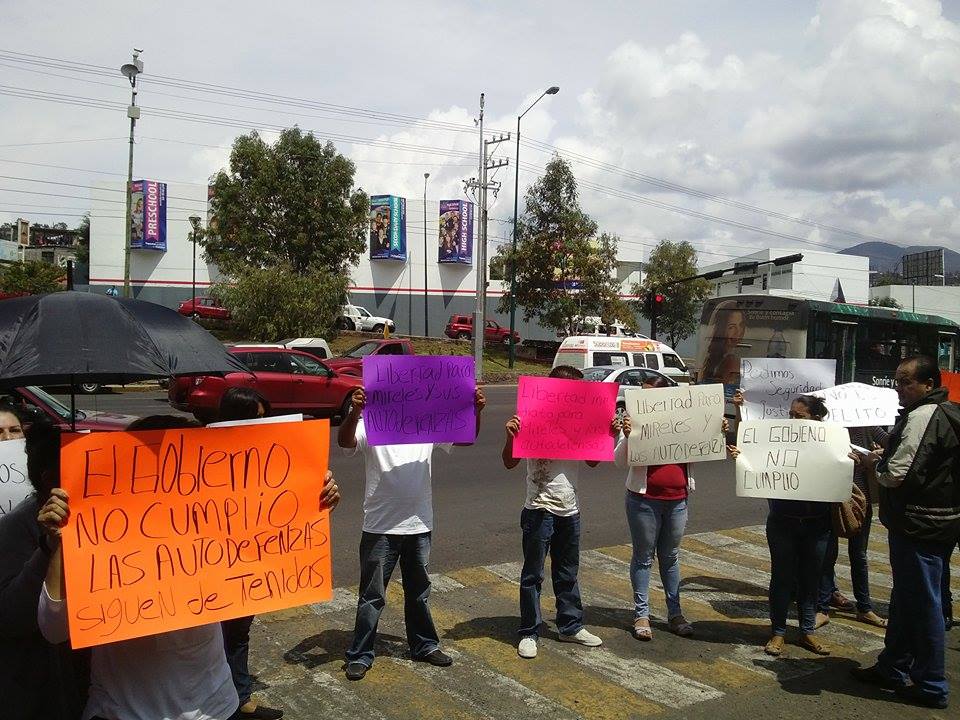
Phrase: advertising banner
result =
(171, 529)
(14, 486)
(456, 232)
(565, 419)
(148, 215)
(675, 425)
(794, 460)
(413, 399)
(388, 227)
(771, 384)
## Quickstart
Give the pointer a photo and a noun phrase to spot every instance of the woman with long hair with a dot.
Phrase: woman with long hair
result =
(721, 363)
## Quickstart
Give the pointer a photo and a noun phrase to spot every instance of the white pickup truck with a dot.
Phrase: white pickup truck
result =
(355, 317)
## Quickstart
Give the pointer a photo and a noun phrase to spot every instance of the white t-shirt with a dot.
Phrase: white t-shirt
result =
(552, 486)
(178, 675)
(398, 499)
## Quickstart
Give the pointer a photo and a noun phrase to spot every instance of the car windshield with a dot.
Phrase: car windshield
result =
(361, 350)
(54, 404)
(363, 312)
(596, 374)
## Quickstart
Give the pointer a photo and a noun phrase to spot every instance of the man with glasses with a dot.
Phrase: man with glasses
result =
(919, 478)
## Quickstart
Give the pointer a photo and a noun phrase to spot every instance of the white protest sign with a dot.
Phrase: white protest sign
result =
(14, 485)
(860, 405)
(794, 460)
(675, 425)
(771, 384)
(269, 420)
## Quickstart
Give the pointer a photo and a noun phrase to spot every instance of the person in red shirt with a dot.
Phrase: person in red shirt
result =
(656, 505)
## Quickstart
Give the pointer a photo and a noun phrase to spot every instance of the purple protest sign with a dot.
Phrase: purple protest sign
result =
(419, 399)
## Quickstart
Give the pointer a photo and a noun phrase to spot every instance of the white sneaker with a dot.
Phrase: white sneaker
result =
(527, 647)
(582, 637)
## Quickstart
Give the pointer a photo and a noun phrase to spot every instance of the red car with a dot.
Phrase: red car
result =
(461, 327)
(205, 307)
(35, 401)
(351, 362)
(293, 382)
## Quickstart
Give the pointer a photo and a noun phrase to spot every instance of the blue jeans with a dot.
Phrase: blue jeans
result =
(859, 568)
(378, 558)
(656, 526)
(236, 644)
(542, 532)
(797, 550)
(914, 643)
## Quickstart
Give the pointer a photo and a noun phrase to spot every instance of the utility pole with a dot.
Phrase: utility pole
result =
(481, 186)
(426, 323)
(130, 71)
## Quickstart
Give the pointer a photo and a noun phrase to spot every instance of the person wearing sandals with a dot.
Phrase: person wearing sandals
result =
(797, 535)
(656, 506)
(830, 595)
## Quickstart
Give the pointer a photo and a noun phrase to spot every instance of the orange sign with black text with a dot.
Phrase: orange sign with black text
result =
(171, 529)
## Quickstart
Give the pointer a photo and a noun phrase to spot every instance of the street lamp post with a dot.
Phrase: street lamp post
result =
(553, 90)
(195, 224)
(130, 71)
(426, 327)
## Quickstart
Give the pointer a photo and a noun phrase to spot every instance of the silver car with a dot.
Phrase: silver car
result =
(625, 376)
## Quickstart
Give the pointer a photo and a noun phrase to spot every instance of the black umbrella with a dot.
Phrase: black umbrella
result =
(72, 337)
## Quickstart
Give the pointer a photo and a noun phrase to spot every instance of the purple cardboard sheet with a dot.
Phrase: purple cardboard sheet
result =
(419, 399)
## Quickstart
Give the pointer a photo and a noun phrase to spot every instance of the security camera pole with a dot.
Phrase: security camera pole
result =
(130, 70)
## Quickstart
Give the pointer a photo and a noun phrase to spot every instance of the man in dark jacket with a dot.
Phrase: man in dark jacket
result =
(919, 478)
(39, 681)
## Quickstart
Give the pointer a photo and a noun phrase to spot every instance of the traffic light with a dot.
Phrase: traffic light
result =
(655, 303)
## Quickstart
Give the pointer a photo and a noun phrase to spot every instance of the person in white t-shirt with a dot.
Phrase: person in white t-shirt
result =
(397, 526)
(550, 521)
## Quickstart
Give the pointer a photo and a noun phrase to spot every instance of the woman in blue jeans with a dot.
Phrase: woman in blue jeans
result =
(656, 505)
(798, 532)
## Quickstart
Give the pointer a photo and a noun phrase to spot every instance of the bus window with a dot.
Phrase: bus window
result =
(653, 361)
(946, 351)
(638, 360)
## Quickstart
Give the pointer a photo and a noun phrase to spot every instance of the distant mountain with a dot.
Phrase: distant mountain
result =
(884, 257)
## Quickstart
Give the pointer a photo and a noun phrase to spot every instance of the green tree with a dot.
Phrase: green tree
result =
(887, 302)
(680, 312)
(267, 304)
(83, 240)
(289, 204)
(31, 277)
(887, 278)
(563, 269)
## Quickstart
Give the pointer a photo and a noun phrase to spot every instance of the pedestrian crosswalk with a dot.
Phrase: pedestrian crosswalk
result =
(298, 654)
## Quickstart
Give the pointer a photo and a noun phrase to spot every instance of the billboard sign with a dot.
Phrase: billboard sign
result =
(456, 232)
(923, 268)
(388, 227)
(148, 215)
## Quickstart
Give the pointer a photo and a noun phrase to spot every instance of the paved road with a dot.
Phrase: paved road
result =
(477, 501)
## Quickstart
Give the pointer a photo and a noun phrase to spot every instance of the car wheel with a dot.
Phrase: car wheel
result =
(378, 329)
(89, 388)
(194, 316)
(463, 335)
(506, 340)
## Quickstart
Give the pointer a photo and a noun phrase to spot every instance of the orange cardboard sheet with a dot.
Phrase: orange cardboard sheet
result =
(171, 529)
(951, 381)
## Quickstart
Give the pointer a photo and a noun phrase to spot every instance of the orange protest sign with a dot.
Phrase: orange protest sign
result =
(951, 381)
(171, 529)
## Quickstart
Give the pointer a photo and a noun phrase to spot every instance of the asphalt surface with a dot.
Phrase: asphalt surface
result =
(477, 501)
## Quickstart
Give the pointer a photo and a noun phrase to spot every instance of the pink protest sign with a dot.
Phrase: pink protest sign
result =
(565, 419)
(419, 399)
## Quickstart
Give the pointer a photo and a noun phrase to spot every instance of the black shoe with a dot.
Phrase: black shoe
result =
(437, 657)
(356, 670)
(872, 676)
(914, 695)
(261, 713)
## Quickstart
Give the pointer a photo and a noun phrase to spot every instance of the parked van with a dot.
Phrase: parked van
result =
(583, 351)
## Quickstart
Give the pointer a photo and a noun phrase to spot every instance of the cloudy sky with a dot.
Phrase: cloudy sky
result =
(733, 124)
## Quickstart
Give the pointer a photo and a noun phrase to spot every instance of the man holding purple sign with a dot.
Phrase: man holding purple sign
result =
(410, 406)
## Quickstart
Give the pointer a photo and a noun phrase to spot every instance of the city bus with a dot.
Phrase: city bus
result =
(867, 342)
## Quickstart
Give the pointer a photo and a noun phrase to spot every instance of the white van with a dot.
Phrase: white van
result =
(583, 351)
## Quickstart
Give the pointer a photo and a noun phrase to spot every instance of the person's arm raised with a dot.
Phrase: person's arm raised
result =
(512, 428)
(479, 403)
(347, 435)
